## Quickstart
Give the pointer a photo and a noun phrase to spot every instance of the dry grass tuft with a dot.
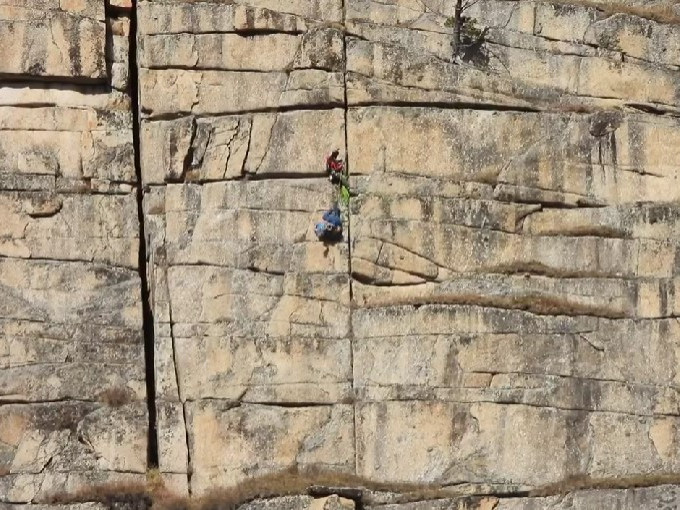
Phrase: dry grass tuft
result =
(105, 493)
(154, 480)
(116, 397)
(584, 482)
(309, 481)
(283, 483)
(154, 496)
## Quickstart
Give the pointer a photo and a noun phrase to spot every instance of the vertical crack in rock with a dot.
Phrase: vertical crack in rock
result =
(347, 169)
(190, 157)
(148, 320)
(175, 362)
(358, 503)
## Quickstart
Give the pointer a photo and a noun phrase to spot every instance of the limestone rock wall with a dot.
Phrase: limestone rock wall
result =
(510, 272)
(501, 316)
(50, 39)
(73, 406)
(253, 346)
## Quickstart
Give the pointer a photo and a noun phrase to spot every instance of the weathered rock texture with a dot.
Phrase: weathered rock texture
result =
(503, 312)
(252, 315)
(62, 39)
(663, 497)
(73, 405)
(512, 255)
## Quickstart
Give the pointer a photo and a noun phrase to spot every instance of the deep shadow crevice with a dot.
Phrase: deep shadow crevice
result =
(147, 312)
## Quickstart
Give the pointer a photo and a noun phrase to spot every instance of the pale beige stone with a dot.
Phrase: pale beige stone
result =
(172, 441)
(50, 361)
(252, 370)
(63, 292)
(72, 375)
(619, 459)
(164, 361)
(332, 503)
(474, 380)
(556, 22)
(221, 51)
(626, 82)
(460, 369)
(200, 17)
(509, 341)
(40, 487)
(77, 436)
(323, 10)
(87, 228)
(302, 304)
(663, 436)
(113, 105)
(230, 444)
(230, 147)
(321, 49)
(506, 297)
(177, 484)
(600, 297)
(270, 223)
(70, 147)
(31, 381)
(224, 92)
(61, 44)
(403, 53)
(651, 220)
(247, 18)
(637, 37)
(300, 503)
(553, 257)
(448, 443)
(558, 153)
(125, 4)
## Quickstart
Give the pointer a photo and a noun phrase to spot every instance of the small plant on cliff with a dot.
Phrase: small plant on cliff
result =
(467, 38)
(610, 42)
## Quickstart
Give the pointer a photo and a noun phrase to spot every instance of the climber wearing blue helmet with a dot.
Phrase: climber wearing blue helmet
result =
(330, 229)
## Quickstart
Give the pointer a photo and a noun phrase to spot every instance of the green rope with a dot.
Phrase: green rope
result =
(344, 195)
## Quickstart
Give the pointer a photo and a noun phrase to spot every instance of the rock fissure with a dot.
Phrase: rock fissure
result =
(447, 105)
(80, 84)
(275, 109)
(148, 323)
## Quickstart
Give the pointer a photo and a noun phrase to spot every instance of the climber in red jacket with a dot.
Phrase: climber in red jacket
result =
(334, 167)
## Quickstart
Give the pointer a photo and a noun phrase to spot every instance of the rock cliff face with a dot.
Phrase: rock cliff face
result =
(502, 315)
(73, 405)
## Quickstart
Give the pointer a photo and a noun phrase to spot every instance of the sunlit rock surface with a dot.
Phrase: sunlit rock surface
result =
(500, 317)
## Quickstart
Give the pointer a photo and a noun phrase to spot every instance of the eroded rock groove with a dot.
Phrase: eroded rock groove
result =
(143, 261)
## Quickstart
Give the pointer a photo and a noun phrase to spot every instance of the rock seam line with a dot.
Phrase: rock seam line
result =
(358, 502)
(147, 312)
